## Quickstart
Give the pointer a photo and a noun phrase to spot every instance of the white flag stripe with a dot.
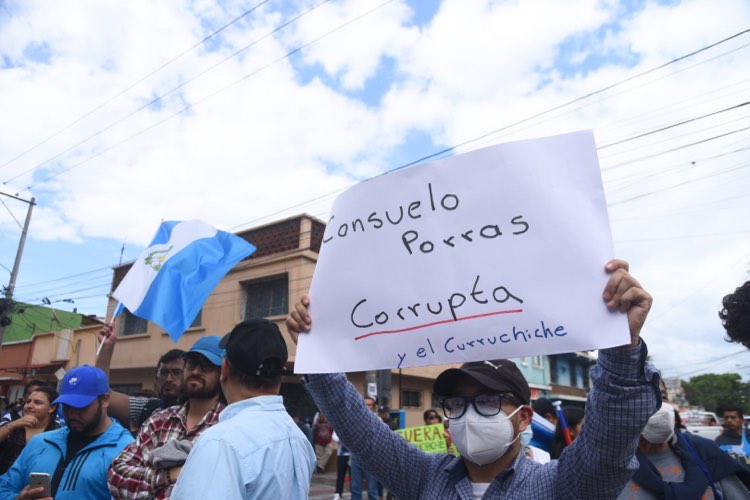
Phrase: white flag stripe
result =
(133, 287)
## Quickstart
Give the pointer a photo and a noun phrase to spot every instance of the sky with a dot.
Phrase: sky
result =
(117, 115)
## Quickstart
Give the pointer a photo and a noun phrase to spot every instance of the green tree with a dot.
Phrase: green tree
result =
(715, 392)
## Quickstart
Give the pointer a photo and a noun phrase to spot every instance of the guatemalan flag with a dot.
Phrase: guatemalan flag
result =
(173, 277)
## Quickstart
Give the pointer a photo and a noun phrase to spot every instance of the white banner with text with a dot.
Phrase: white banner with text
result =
(495, 253)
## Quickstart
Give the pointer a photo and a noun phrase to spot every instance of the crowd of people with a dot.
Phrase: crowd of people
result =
(218, 428)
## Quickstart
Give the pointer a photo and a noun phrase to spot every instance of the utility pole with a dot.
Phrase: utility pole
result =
(7, 305)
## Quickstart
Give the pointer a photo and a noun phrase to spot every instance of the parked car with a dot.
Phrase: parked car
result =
(703, 423)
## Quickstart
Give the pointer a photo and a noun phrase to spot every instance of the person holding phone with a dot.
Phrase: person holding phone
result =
(75, 457)
(38, 416)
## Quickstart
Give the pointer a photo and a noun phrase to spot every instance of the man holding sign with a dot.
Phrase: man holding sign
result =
(488, 407)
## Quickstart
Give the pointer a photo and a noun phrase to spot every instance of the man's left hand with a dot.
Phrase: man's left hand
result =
(624, 293)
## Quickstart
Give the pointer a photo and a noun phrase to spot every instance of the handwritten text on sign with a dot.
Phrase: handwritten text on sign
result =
(428, 438)
(494, 253)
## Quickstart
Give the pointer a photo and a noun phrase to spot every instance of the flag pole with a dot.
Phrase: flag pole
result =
(111, 320)
(563, 423)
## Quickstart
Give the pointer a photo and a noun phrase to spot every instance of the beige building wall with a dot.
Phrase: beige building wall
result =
(135, 356)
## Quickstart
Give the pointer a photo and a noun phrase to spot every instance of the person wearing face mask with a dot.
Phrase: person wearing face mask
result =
(534, 453)
(682, 466)
(487, 404)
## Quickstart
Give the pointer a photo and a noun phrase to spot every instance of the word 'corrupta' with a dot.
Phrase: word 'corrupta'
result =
(487, 232)
(363, 316)
(453, 345)
(376, 220)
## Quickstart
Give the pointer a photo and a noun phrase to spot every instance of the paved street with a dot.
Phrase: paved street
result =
(323, 487)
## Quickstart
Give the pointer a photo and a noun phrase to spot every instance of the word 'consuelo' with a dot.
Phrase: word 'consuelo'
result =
(412, 242)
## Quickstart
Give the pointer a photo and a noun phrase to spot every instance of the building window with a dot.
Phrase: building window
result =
(197, 321)
(536, 362)
(267, 297)
(411, 398)
(132, 324)
(553, 370)
(580, 379)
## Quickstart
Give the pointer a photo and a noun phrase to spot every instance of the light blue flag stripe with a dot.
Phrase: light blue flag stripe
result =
(185, 281)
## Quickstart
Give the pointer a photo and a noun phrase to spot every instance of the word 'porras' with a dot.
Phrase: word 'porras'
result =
(487, 232)
(363, 316)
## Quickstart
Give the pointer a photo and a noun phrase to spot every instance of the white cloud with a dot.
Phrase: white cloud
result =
(257, 142)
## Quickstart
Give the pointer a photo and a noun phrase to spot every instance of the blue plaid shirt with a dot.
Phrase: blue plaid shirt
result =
(598, 464)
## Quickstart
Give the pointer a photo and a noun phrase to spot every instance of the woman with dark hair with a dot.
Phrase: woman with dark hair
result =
(574, 419)
(38, 417)
(432, 417)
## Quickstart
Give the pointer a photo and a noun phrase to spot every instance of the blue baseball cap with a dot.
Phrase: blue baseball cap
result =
(208, 346)
(82, 385)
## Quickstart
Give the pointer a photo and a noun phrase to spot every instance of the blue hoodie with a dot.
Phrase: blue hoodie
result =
(86, 474)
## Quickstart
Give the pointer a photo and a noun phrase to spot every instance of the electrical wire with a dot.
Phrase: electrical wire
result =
(11, 214)
(198, 101)
(132, 85)
(576, 100)
(162, 96)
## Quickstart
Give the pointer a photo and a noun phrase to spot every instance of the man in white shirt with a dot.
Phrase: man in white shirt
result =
(256, 451)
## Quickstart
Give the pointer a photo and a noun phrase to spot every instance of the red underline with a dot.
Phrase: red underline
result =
(385, 332)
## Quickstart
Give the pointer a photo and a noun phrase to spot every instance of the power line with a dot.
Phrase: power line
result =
(558, 107)
(11, 213)
(613, 95)
(673, 125)
(679, 184)
(568, 103)
(613, 186)
(99, 269)
(707, 362)
(160, 97)
(672, 150)
(202, 100)
(131, 86)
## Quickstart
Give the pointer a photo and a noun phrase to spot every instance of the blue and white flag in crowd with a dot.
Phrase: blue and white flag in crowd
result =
(173, 277)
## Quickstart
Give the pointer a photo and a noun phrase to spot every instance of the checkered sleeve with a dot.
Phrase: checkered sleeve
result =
(131, 475)
(625, 394)
(399, 465)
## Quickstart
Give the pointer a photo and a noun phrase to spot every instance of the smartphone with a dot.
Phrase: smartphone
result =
(41, 479)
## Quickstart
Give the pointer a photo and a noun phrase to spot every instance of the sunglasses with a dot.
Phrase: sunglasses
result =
(204, 364)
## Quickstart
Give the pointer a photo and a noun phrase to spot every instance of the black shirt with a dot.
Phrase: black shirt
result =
(76, 442)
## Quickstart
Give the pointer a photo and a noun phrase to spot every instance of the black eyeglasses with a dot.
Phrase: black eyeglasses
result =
(165, 372)
(487, 405)
(204, 364)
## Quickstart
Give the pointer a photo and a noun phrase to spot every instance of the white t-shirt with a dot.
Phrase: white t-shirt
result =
(478, 490)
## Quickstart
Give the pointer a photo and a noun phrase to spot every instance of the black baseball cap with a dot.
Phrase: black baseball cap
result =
(253, 344)
(500, 375)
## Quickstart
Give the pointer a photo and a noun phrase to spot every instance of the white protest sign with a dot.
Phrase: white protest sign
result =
(496, 253)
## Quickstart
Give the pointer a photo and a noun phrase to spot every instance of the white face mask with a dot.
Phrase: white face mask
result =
(483, 439)
(660, 426)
